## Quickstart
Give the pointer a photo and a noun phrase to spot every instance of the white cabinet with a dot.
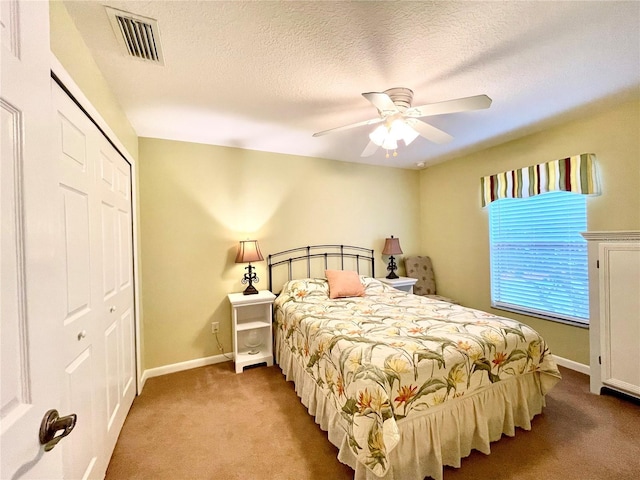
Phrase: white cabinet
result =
(251, 319)
(401, 283)
(614, 293)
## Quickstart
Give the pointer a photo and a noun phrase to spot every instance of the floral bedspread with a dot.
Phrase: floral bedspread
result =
(390, 355)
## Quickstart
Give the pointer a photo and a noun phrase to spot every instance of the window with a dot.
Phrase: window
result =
(539, 258)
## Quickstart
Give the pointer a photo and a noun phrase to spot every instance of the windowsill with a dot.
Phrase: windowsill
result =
(528, 313)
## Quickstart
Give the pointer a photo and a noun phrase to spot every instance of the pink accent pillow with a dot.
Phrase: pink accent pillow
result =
(344, 283)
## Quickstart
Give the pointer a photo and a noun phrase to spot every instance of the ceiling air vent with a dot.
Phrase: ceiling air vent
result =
(139, 35)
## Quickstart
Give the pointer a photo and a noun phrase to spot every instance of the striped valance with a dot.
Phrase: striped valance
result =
(572, 174)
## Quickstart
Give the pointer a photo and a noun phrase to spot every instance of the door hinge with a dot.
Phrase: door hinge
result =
(599, 360)
(597, 263)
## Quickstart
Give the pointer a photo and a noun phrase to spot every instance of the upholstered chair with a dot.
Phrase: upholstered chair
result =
(421, 268)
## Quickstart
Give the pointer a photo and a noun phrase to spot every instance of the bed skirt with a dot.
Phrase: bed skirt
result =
(442, 435)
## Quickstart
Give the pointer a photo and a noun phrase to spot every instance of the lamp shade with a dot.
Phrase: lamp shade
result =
(248, 251)
(392, 246)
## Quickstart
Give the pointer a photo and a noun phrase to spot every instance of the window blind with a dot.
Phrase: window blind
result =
(538, 257)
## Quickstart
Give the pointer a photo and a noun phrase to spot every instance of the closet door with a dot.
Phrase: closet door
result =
(113, 179)
(98, 325)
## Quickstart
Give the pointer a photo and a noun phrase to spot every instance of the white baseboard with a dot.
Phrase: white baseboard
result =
(178, 367)
(570, 364)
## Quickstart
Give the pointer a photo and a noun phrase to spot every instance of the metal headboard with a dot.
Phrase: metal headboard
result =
(301, 254)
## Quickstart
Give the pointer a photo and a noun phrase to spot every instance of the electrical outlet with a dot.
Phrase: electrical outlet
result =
(215, 327)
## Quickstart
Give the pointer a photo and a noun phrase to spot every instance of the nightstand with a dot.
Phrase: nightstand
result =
(251, 317)
(401, 283)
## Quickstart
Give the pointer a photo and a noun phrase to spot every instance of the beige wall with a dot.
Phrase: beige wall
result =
(197, 202)
(454, 227)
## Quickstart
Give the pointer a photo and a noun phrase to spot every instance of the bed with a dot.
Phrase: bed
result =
(402, 384)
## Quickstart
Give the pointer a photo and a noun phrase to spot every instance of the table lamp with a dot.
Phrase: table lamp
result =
(391, 248)
(248, 251)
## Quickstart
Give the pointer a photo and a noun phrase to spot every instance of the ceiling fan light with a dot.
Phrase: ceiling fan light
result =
(410, 136)
(400, 130)
(389, 143)
(395, 129)
(379, 135)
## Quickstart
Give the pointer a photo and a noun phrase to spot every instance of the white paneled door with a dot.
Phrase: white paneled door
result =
(30, 294)
(96, 233)
(67, 324)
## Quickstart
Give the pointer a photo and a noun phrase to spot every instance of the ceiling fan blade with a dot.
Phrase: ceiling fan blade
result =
(382, 102)
(369, 150)
(429, 131)
(373, 121)
(476, 102)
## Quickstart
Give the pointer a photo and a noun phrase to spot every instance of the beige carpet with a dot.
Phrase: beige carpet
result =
(209, 423)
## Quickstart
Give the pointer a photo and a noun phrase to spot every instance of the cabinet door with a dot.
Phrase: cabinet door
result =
(620, 315)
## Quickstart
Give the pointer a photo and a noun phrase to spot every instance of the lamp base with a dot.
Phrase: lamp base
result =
(250, 290)
(392, 267)
(249, 278)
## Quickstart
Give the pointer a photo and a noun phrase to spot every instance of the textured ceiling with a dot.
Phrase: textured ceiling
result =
(267, 75)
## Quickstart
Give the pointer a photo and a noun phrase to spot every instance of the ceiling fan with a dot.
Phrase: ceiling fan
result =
(400, 121)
